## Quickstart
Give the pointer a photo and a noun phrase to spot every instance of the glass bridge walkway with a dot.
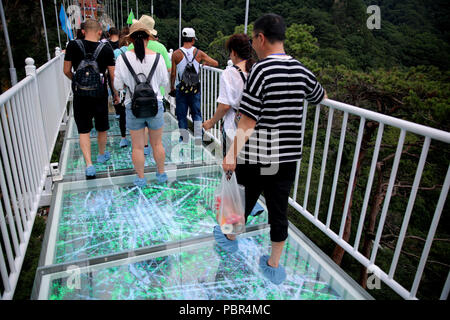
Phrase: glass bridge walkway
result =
(107, 239)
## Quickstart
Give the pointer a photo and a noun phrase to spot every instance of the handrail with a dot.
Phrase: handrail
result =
(30, 117)
(389, 120)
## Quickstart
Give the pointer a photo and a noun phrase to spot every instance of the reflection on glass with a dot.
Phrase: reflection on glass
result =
(203, 271)
(109, 219)
(176, 153)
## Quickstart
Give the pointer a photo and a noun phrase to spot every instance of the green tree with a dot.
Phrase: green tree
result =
(299, 41)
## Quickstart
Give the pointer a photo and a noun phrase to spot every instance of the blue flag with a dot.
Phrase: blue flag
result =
(65, 24)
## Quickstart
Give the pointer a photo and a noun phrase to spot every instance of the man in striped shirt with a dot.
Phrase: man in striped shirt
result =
(269, 135)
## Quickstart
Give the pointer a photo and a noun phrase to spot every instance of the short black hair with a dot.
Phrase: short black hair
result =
(272, 26)
(113, 31)
(186, 39)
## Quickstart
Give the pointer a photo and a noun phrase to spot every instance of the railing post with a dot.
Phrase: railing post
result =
(30, 70)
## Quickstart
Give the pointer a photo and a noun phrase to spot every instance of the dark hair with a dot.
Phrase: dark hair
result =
(240, 43)
(123, 40)
(138, 38)
(104, 35)
(272, 26)
(186, 39)
(80, 34)
(113, 31)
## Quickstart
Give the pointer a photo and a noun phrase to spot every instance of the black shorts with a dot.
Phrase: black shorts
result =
(276, 188)
(87, 108)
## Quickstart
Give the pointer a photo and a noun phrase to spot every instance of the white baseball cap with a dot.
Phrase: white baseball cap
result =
(188, 33)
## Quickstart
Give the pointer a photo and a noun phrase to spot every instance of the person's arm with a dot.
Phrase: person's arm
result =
(118, 81)
(111, 63)
(68, 58)
(315, 93)
(68, 69)
(223, 100)
(207, 60)
(111, 71)
(173, 73)
(163, 75)
(244, 131)
(166, 57)
(222, 109)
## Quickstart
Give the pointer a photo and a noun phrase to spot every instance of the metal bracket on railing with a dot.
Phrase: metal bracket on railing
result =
(56, 174)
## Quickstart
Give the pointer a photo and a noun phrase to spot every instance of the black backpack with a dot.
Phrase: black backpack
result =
(144, 102)
(87, 80)
(190, 80)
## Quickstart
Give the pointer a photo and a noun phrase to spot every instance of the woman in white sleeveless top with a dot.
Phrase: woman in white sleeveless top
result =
(231, 87)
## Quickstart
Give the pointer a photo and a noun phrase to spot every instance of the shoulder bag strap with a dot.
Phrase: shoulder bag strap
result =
(130, 68)
(155, 64)
(241, 73)
(98, 50)
(195, 54)
(184, 54)
(81, 46)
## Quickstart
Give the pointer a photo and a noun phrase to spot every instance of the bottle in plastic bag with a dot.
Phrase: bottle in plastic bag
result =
(230, 206)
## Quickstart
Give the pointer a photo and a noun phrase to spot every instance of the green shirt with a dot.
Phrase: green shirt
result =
(158, 48)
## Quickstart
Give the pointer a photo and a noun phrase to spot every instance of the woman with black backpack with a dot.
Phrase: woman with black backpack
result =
(142, 73)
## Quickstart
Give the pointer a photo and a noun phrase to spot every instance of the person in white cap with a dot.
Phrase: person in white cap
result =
(188, 55)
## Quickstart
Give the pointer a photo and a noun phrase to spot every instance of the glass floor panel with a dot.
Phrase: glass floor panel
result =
(105, 216)
(170, 124)
(73, 166)
(203, 271)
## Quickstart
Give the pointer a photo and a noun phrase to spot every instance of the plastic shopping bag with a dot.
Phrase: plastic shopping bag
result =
(230, 205)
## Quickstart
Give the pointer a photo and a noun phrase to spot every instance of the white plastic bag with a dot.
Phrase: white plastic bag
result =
(230, 205)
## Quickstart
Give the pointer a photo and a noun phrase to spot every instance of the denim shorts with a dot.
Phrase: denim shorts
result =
(153, 123)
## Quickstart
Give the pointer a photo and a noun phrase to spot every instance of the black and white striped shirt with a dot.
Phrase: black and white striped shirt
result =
(274, 96)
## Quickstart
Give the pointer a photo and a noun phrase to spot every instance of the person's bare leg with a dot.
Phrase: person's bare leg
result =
(147, 136)
(277, 250)
(85, 145)
(159, 153)
(137, 153)
(101, 139)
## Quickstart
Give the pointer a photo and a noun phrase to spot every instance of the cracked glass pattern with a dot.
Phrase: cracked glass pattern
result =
(176, 153)
(109, 219)
(202, 272)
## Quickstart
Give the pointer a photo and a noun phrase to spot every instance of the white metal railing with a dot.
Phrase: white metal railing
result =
(31, 113)
(210, 83)
(52, 98)
(210, 79)
(405, 127)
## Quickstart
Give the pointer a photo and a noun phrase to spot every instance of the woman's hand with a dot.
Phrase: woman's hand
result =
(208, 124)
(229, 162)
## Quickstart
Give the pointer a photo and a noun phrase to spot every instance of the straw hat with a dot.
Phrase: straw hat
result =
(138, 26)
(149, 23)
